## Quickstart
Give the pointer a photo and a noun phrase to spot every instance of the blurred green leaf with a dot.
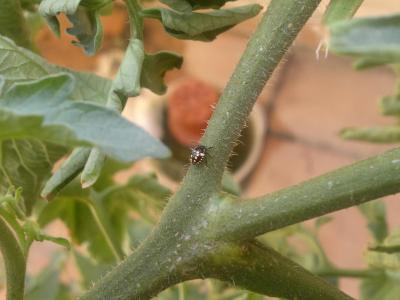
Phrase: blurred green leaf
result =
(384, 287)
(127, 80)
(26, 164)
(386, 255)
(77, 214)
(47, 284)
(375, 213)
(87, 29)
(90, 270)
(390, 105)
(388, 134)
(321, 221)
(339, 10)
(154, 68)
(13, 23)
(84, 16)
(42, 110)
(20, 65)
(375, 40)
(201, 26)
(189, 5)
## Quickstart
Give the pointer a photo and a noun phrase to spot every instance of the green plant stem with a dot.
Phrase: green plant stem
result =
(338, 10)
(14, 261)
(352, 185)
(263, 270)
(348, 273)
(278, 28)
(172, 253)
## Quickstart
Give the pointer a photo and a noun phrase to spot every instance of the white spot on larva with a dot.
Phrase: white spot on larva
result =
(395, 161)
(179, 259)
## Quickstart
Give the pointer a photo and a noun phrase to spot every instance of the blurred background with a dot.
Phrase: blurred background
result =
(293, 132)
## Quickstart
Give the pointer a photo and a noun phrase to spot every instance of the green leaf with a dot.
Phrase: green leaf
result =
(42, 110)
(13, 24)
(384, 287)
(374, 212)
(67, 172)
(154, 68)
(20, 65)
(388, 134)
(92, 169)
(390, 105)
(339, 10)
(201, 26)
(87, 29)
(26, 164)
(375, 40)
(90, 270)
(85, 20)
(127, 80)
(76, 213)
(189, 5)
(47, 284)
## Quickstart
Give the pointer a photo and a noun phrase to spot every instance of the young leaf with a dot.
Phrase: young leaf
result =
(92, 169)
(201, 26)
(66, 173)
(154, 68)
(388, 134)
(339, 10)
(41, 110)
(20, 65)
(87, 29)
(84, 16)
(376, 40)
(375, 214)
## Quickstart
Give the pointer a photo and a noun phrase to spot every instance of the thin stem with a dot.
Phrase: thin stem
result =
(14, 261)
(352, 185)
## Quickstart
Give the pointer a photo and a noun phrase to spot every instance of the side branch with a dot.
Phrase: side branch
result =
(352, 185)
(263, 270)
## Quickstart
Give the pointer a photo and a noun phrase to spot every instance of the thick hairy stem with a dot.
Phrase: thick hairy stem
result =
(276, 32)
(263, 270)
(14, 261)
(176, 247)
(352, 185)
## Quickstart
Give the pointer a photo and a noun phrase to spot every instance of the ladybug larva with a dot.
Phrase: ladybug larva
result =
(198, 154)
